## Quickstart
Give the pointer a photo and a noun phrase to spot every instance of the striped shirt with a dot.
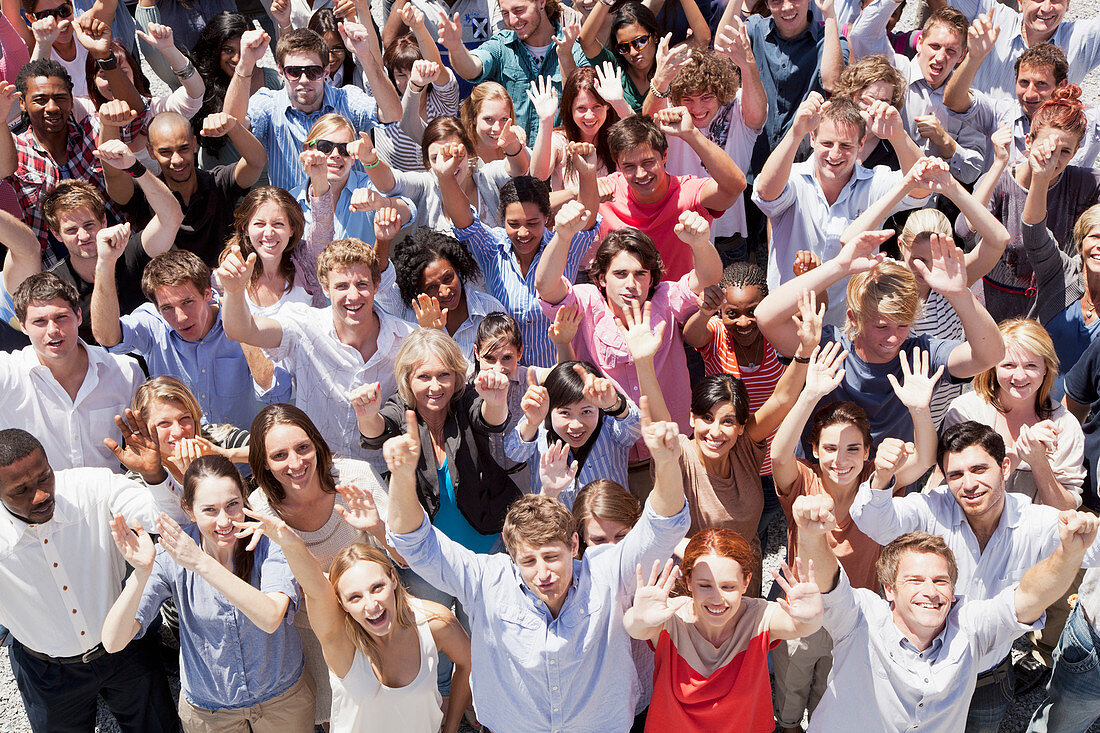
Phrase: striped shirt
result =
(492, 249)
(283, 129)
(939, 320)
(719, 357)
(607, 458)
(399, 146)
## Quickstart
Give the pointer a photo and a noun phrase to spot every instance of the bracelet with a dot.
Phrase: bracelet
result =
(518, 152)
(608, 3)
(375, 164)
(657, 93)
(800, 359)
(108, 64)
(418, 87)
(237, 71)
(137, 170)
(622, 405)
(186, 72)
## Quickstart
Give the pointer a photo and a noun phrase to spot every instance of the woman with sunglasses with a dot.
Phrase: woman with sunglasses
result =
(216, 54)
(636, 43)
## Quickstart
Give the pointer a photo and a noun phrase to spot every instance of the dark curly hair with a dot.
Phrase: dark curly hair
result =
(412, 256)
(744, 274)
(206, 56)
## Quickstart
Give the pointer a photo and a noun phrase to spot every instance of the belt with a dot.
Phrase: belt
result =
(91, 655)
(997, 673)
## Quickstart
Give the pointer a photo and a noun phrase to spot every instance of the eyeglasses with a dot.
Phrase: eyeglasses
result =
(327, 146)
(312, 72)
(59, 13)
(637, 43)
(337, 53)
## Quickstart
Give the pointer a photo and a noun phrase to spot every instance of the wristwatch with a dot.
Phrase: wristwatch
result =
(108, 64)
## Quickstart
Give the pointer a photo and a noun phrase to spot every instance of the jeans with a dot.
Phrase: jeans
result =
(1073, 693)
(420, 588)
(991, 700)
(771, 509)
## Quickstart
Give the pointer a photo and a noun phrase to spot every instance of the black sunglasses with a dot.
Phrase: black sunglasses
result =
(638, 44)
(59, 13)
(312, 72)
(327, 146)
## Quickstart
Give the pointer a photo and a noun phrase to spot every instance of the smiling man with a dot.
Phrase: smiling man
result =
(994, 535)
(330, 351)
(909, 662)
(541, 621)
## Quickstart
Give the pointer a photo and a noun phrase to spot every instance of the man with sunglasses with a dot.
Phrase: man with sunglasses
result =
(280, 119)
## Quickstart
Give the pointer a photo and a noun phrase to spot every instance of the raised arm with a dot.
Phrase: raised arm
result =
(823, 375)
(9, 158)
(120, 626)
(867, 35)
(253, 156)
(95, 35)
(589, 38)
(110, 245)
(697, 329)
(1035, 444)
(467, 65)
(663, 440)
(1001, 139)
(234, 274)
(668, 63)
(159, 235)
(886, 124)
(693, 230)
(993, 236)
(980, 39)
(1045, 583)
(813, 514)
(492, 387)
(654, 605)
(550, 282)
(1042, 164)
(253, 46)
(733, 42)
(777, 168)
(512, 142)
(832, 57)
(402, 454)
(643, 343)
(544, 100)
(162, 39)
(727, 180)
(915, 392)
(455, 204)
(363, 42)
(24, 256)
(113, 116)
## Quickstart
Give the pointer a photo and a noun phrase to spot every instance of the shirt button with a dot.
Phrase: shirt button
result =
(45, 542)
(74, 611)
(55, 565)
(65, 587)
(553, 661)
(555, 710)
(82, 633)
(554, 688)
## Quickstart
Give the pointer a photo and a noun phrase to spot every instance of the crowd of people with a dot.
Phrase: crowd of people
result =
(449, 374)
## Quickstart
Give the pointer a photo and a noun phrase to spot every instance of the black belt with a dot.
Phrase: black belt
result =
(999, 672)
(91, 655)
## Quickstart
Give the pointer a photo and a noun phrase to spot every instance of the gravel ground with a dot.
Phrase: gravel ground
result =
(14, 720)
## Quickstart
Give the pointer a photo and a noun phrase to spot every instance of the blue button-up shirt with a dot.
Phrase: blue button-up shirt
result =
(226, 661)
(347, 223)
(213, 368)
(531, 671)
(282, 129)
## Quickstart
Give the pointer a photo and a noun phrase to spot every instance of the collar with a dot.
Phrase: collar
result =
(74, 133)
(328, 98)
(63, 514)
(539, 605)
(814, 30)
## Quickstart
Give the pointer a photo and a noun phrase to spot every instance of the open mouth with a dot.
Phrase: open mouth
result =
(715, 610)
(842, 473)
(972, 497)
(225, 535)
(714, 444)
(576, 437)
(377, 619)
(353, 309)
(299, 474)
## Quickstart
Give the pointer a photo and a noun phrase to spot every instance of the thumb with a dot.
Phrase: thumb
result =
(910, 448)
(532, 377)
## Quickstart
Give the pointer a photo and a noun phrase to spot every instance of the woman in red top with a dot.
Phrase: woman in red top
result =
(711, 669)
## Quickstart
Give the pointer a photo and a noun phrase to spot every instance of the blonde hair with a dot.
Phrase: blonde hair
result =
(344, 253)
(360, 637)
(888, 290)
(1088, 221)
(420, 346)
(328, 123)
(923, 223)
(1023, 333)
(165, 389)
(537, 521)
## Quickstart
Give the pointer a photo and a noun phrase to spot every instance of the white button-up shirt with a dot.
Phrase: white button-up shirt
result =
(1080, 39)
(881, 682)
(71, 431)
(59, 579)
(326, 370)
(801, 218)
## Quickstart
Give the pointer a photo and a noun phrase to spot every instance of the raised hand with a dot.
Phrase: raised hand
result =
(159, 37)
(8, 96)
(47, 30)
(947, 276)
(187, 450)
(566, 322)
(280, 11)
(356, 38)
(1077, 530)
(809, 320)
(570, 220)
(314, 163)
(824, 372)
(808, 115)
(492, 386)
(367, 199)
(692, 228)
(860, 253)
(915, 391)
(403, 451)
(570, 31)
(652, 605)
(363, 149)
(544, 98)
(733, 42)
(235, 272)
(801, 597)
(982, 36)
(1042, 161)
(423, 72)
(536, 400)
(669, 62)
(600, 391)
(931, 173)
(450, 32)
(891, 455)
(135, 544)
(219, 124)
(827, 8)
(674, 121)
(387, 223)
(930, 128)
(813, 513)
(641, 341)
(711, 299)
(1036, 442)
(428, 312)
(660, 436)
(94, 35)
(885, 120)
(609, 84)
(447, 159)
(583, 157)
(142, 452)
(556, 474)
(345, 10)
(179, 545)
(258, 525)
(512, 139)
(1001, 139)
(116, 154)
(366, 399)
(253, 46)
(804, 261)
(361, 512)
(411, 16)
(110, 242)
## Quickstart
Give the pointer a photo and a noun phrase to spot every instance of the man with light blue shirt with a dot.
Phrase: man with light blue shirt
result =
(281, 119)
(994, 535)
(179, 334)
(908, 663)
(550, 652)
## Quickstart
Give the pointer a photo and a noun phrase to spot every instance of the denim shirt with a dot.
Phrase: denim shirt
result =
(226, 661)
(534, 672)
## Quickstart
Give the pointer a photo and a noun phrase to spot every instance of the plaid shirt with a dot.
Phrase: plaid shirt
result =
(38, 173)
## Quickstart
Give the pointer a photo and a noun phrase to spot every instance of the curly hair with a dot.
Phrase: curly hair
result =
(865, 72)
(743, 275)
(413, 255)
(707, 72)
(1044, 54)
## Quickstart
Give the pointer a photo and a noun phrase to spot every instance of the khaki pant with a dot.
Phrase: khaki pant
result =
(291, 712)
(801, 668)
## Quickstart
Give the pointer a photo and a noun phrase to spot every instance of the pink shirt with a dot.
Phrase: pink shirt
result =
(658, 220)
(600, 342)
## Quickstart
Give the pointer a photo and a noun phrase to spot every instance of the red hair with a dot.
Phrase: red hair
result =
(1062, 111)
(720, 542)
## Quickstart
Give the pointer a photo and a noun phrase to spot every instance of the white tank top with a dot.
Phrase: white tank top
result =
(361, 703)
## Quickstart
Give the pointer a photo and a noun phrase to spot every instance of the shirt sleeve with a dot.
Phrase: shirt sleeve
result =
(884, 518)
(1058, 281)
(294, 332)
(520, 450)
(843, 614)
(579, 246)
(158, 589)
(781, 203)
(1082, 380)
(653, 538)
(360, 108)
(626, 430)
(867, 35)
(490, 54)
(441, 561)
(992, 623)
(137, 333)
(275, 576)
(136, 501)
(260, 107)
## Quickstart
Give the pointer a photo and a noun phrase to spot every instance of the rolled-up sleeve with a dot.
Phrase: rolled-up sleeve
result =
(445, 564)
(884, 518)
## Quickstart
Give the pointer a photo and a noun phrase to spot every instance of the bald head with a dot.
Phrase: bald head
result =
(172, 143)
(168, 124)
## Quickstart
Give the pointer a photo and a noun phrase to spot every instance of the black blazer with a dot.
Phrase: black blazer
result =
(483, 489)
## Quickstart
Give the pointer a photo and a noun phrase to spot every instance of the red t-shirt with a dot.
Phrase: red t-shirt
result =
(659, 219)
(697, 687)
